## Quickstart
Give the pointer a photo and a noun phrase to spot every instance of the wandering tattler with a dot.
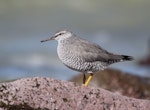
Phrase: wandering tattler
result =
(82, 55)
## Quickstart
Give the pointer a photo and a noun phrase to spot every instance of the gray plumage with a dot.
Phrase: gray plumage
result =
(82, 55)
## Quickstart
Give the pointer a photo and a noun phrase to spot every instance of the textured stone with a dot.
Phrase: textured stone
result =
(49, 94)
(119, 82)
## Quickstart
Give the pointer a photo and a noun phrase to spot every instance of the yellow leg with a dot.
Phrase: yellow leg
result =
(88, 80)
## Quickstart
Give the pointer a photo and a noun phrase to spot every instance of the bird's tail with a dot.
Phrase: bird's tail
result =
(126, 58)
(119, 58)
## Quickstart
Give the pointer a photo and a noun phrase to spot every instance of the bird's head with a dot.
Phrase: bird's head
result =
(59, 36)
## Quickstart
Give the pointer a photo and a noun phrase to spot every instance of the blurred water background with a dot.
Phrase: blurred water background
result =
(120, 26)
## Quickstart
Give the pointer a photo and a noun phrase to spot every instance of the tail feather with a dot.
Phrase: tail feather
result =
(127, 58)
(120, 58)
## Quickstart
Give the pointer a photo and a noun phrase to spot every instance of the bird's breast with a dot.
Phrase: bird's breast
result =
(68, 56)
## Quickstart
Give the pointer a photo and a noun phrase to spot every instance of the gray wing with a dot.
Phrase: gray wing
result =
(89, 51)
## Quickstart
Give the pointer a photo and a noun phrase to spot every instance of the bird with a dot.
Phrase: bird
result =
(82, 55)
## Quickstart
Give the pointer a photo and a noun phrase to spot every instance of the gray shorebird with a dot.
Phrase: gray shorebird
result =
(82, 55)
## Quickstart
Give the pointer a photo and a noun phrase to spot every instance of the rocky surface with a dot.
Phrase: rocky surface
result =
(48, 94)
(119, 82)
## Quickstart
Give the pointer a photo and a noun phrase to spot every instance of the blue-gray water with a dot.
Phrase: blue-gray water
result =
(118, 26)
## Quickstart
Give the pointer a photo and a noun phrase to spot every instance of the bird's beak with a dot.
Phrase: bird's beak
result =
(50, 38)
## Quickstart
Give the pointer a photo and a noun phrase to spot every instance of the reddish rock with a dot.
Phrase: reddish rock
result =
(119, 82)
(49, 94)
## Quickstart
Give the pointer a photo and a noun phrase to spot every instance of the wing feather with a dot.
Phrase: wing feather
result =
(89, 51)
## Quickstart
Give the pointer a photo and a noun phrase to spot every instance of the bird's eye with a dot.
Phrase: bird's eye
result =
(60, 33)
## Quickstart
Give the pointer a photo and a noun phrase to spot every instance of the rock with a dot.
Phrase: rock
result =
(119, 82)
(50, 94)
